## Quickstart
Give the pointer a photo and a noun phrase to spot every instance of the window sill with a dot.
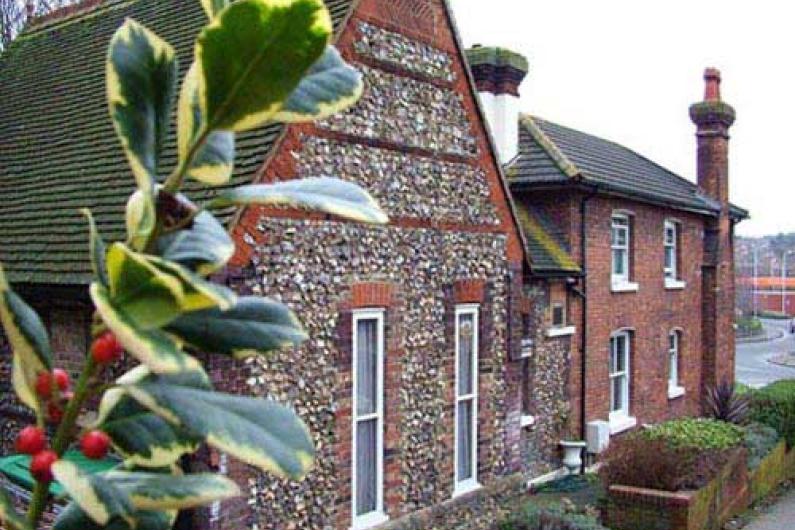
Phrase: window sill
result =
(675, 392)
(561, 332)
(624, 287)
(674, 284)
(467, 486)
(369, 520)
(621, 423)
(527, 420)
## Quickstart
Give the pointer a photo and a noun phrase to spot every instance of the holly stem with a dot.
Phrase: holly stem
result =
(63, 436)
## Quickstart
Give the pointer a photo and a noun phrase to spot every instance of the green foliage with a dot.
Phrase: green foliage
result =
(760, 440)
(749, 326)
(257, 61)
(774, 406)
(697, 433)
(550, 517)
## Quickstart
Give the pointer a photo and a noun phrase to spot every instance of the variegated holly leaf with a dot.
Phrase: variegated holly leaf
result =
(97, 249)
(205, 247)
(152, 347)
(73, 518)
(254, 325)
(331, 85)
(326, 194)
(143, 438)
(141, 82)
(29, 342)
(213, 7)
(10, 519)
(259, 432)
(213, 160)
(197, 293)
(94, 494)
(140, 218)
(253, 55)
(157, 491)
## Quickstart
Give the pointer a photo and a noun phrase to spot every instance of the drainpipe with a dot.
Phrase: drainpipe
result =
(584, 317)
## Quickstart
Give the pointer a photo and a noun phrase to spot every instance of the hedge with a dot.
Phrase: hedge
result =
(774, 406)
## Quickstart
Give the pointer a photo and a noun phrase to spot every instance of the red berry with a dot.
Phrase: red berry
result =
(95, 444)
(106, 348)
(61, 379)
(54, 412)
(31, 440)
(44, 385)
(41, 465)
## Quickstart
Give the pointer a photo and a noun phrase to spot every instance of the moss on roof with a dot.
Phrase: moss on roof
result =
(547, 254)
(58, 150)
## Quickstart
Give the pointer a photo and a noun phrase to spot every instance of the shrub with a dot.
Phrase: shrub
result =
(724, 403)
(774, 406)
(551, 517)
(654, 463)
(696, 433)
(749, 326)
(759, 440)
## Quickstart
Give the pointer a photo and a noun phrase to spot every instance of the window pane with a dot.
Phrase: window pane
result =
(617, 394)
(558, 319)
(621, 358)
(618, 262)
(466, 338)
(366, 462)
(670, 257)
(612, 355)
(464, 442)
(673, 375)
(366, 366)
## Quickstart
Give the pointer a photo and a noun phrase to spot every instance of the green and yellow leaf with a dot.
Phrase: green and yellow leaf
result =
(153, 347)
(253, 55)
(95, 495)
(145, 294)
(254, 325)
(214, 160)
(259, 432)
(155, 491)
(331, 85)
(29, 342)
(10, 519)
(140, 218)
(326, 194)
(73, 518)
(205, 247)
(197, 293)
(141, 74)
(97, 249)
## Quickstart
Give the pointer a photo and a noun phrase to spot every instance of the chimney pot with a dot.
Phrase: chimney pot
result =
(712, 84)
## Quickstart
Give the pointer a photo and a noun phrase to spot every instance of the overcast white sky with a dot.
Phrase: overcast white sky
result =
(628, 70)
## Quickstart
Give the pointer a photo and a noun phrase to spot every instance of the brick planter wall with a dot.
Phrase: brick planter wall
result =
(775, 467)
(630, 508)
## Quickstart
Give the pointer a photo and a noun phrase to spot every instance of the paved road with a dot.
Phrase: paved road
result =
(752, 367)
(781, 516)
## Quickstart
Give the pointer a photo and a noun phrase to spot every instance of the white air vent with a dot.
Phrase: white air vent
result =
(597, 436)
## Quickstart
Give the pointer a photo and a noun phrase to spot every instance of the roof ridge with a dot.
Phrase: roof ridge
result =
(625, 148)
(559, 157)
(69, 13)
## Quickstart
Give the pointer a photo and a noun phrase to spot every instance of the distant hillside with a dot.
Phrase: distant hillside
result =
(769, 251)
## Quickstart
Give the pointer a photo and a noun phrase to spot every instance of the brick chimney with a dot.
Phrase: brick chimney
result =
(713, 118)
(498, 73)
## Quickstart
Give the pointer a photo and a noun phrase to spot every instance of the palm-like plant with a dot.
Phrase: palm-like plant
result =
(257, 61)
(722, 402)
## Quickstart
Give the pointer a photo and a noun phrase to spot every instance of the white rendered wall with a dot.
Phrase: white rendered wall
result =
(502, 112)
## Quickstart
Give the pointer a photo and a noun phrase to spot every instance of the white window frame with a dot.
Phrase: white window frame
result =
(671, 271)
(621, 282)
(620, 419)
(378, 515)
(675, 390)
(469, 484)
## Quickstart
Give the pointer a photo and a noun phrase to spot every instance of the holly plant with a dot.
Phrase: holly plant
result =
(256, 62)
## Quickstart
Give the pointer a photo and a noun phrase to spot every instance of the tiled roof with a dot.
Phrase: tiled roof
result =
(58, 150)
(544, 243)
(552, 154)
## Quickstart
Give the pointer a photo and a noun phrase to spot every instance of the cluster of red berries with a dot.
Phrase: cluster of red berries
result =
(106, 348)
(54, 390)
(33, 441)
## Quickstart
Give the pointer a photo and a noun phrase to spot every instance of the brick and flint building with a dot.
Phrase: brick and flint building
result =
(446, 349)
